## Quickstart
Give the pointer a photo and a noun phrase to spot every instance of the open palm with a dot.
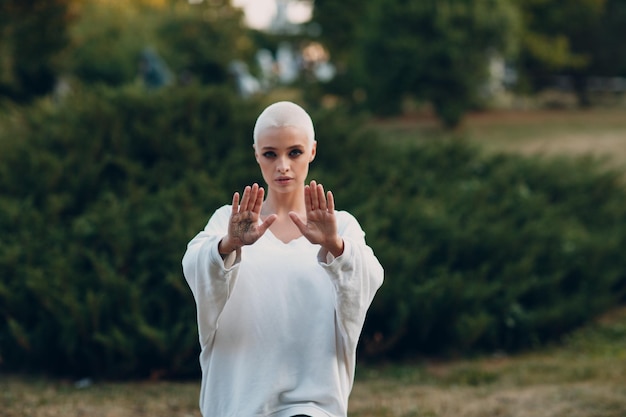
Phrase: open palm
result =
(321, 225)
(243, 226)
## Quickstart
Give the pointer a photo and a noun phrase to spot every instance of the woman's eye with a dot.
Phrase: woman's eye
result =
(295, 152)
(269, 154)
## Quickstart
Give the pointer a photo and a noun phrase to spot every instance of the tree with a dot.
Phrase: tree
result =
(202, 40)
(559, 38)
(32, 35)
(612, 58)
(342, 23)
(608, 50)
(106, 41)
(436, 51)
(194, 40)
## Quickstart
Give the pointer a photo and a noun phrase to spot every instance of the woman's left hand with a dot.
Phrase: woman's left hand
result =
(321, 224)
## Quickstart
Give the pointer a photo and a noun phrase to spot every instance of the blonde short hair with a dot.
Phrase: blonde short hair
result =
(284, 114)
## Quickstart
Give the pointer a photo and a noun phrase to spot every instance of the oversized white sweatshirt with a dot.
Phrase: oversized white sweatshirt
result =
(279, 322)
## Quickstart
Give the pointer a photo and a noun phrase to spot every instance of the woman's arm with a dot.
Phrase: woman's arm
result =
(210, 277)
(211, 262)
(354, 270)
(356, 276)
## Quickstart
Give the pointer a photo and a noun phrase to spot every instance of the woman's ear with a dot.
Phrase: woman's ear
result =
(313, 151)
(256, 155)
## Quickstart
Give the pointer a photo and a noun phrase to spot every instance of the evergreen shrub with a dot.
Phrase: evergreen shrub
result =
(100, 194)
(99, 197)
(489, 253)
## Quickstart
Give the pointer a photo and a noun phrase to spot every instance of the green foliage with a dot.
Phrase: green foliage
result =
(604, 339)
(107, 40)
(341, 24)
(195, 41)
(431, 51)
(602, 42)
(579, 39)
(490, 253)
(100, 194)
(553, 32)
(204, 43)
(99, 198)
(32, 36)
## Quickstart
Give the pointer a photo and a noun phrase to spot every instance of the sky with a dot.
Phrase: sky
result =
(259, 13)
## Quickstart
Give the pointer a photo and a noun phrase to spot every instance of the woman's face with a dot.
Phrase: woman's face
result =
(284, 154)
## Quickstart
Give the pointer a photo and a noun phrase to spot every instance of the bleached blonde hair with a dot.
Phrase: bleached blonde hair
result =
(283, 114)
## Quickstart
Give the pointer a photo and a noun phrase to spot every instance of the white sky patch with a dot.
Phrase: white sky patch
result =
(259, 13)
(299, 11)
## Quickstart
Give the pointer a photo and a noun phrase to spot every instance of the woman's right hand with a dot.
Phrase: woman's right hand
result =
(244, 227)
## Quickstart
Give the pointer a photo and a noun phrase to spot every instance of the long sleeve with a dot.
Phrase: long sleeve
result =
(356, 276)
(210, 278)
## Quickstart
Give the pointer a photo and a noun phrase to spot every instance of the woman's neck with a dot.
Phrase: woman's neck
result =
(282, 203)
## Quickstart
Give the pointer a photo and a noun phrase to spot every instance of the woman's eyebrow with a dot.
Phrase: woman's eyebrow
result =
(272, 148)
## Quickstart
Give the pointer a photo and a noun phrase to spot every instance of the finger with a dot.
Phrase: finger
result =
(307, 198)
(259, 201)
(254, 191)
(267, 223)
(235, 203)
(321, 197)
(331, 202)
(314, 199)
(297, 221)
(245, 198)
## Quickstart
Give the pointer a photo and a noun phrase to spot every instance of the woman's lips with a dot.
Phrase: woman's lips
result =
(283, 180)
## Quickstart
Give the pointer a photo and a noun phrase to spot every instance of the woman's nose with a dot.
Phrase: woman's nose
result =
(283, 165)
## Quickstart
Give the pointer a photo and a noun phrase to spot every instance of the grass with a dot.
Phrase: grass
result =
(598, 132)
(584, 376)
(39, 397)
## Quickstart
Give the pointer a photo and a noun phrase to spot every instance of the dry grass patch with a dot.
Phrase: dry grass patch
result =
(21, 397)
(596, 132)
(571, 400)
(539, 386)
(584, 376)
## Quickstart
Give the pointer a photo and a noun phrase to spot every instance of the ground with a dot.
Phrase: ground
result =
(597, 132)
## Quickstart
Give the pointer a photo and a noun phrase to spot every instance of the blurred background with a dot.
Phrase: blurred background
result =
(480, 143)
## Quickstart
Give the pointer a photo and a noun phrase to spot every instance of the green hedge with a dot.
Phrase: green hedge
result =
(99, 196)
(491, 253)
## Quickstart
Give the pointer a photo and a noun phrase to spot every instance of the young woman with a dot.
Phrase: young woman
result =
(282, 284)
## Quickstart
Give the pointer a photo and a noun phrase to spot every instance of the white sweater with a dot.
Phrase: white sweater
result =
(279, 322)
